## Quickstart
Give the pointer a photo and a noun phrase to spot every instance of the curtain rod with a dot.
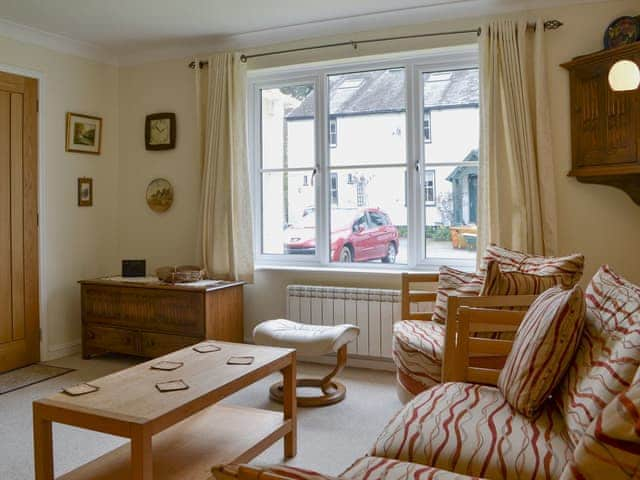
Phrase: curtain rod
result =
(548, 25)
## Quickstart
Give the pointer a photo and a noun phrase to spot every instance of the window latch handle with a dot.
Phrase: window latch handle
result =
(417, 165)
(315, 171)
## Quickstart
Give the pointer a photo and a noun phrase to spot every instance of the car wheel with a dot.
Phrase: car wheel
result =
(346, 256)
(392, 252)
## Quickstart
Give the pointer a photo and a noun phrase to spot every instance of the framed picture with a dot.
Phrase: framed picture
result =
(160, 131)
(84, 133)
(159, 195)
(85, 192)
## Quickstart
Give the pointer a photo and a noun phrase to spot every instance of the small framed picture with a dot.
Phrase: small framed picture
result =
(160, 131)
(84, 133)
(85, 192)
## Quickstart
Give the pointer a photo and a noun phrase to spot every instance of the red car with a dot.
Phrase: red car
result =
(357, 235)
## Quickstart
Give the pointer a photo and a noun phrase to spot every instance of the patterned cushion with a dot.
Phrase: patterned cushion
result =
(452, 281)
(472, 430)
(376, 468)
(610, 449)
(417, 352)
(544, 346)
(568, 269)
(608, 354)
(498, 282)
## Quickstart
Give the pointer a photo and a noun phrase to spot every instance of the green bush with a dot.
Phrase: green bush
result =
(438, 233)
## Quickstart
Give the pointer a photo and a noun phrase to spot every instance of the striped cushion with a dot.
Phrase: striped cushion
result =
(452, 281)
(608, 354)
(498, 282)
(544, 346)
(472, 430)
(417, 352)
(610, 449)
(568, 269)
(376, 468)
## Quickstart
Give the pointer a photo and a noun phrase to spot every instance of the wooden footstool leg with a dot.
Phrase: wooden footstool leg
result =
(332, 390)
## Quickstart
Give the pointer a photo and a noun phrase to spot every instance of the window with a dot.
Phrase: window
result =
(370, 201)
(430, 187)
(426, 126)
(334, 189)
(333, 132)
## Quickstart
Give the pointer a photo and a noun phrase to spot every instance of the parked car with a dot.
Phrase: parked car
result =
(357, 235)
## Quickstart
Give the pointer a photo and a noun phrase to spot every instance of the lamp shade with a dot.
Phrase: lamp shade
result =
(624, 76)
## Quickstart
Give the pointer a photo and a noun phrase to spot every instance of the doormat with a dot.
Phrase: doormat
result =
(30, 375)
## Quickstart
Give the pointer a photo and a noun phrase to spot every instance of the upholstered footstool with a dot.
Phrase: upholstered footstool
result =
(310, 340)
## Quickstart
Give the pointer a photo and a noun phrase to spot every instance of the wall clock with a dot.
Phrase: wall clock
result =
(160, 131)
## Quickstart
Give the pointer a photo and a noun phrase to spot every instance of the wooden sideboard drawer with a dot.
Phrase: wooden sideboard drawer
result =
(111, 339)
(157, 344)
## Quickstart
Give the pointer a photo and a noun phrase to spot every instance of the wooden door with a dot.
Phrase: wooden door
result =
(19, 324)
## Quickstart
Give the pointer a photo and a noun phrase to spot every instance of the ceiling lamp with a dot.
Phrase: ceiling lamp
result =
(624, 76)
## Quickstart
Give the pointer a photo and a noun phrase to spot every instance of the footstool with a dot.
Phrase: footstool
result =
(309, 340)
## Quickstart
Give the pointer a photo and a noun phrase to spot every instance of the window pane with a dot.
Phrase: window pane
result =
(287, 117)
(369, 219)
(451, 100)
(288, 213)
(451, 192)
(367, 118)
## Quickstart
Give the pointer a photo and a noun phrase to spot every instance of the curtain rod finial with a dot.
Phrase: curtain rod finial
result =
(243, 58)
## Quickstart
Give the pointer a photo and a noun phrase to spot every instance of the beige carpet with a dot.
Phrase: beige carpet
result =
(329, 438)
(30, 375)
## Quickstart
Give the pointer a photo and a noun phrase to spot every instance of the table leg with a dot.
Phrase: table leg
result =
(290, 407)
(42, 445)
(141, 454)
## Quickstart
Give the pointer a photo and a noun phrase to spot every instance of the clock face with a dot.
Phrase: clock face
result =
(160, 130)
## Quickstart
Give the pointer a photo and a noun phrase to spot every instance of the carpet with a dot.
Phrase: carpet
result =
(23, 377)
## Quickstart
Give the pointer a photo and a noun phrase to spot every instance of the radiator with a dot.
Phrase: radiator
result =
(373, 310)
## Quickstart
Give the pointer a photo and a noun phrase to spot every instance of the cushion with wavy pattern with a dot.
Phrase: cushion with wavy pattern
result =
(544, 346)
(608, 355)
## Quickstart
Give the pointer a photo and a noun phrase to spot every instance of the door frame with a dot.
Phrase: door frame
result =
(42, 214)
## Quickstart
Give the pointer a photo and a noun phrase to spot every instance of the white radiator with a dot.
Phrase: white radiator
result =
(373, 310)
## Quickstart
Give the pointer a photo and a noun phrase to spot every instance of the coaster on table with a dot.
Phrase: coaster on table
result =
(166, 365)
(172, 386)
(206, 348)
(80, 389)
(240, 360)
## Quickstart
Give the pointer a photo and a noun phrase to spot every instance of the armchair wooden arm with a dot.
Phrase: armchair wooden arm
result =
(468, 315)
(243, 472)
(410, 296)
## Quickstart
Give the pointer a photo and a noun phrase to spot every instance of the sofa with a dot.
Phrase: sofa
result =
(587, 426)
(420, 339)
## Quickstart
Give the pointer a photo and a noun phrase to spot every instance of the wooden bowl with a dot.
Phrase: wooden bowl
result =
(180, 274)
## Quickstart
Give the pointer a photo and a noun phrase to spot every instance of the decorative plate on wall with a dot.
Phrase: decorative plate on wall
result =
(159, 195)
(622, 31)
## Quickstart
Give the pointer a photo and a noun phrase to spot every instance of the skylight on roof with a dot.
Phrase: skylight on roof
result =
(439, 77)
(352, 83)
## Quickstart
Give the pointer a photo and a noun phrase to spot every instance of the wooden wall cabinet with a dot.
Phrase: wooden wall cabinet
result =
(151, 320)
(605, 125)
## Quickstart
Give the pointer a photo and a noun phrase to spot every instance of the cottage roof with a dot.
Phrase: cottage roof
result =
(383, 91)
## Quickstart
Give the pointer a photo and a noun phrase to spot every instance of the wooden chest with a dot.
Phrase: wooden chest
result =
(152, 319)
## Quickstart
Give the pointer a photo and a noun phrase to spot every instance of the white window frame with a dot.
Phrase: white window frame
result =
(317, 74)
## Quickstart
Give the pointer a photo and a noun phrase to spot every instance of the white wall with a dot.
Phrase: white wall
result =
(167, 238)
(80, 242)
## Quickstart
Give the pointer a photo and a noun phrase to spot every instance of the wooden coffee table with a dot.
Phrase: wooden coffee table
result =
(190, 434)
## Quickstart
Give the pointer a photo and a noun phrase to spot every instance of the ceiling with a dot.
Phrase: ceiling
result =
(130, 28)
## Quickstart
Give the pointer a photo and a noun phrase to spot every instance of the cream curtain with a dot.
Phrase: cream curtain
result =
(517, 187)
(226, 239)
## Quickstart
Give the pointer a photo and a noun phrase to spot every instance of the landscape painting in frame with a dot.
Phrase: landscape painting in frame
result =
(84, 133)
